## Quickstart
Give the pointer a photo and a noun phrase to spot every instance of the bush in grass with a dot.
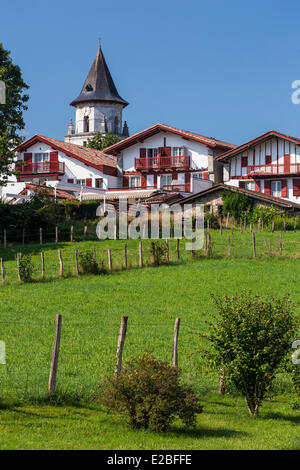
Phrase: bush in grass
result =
(250, 340)
(158, 252)
(25, 268)
(88, 265)
(149, 393)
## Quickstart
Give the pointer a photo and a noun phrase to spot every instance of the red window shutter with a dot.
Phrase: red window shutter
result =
(267, 187)
(70, 180)
(205, 175)
(188, 181)
(125, 181)
(244, 162)
(268, 159)
(283, 188)
(242, 184)
(28, 157)
(144, 181)
(257, 186)
(53, 157)
(161, 151)
(88, 182)
(155, 181)
(142, 153)
(167, 151)
(296, 187)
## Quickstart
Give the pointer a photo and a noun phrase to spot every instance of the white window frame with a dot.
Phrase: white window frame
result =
(81, 181)
(133, 180)
(153, 152)
(177, 151)
(168, 177)
(276, 192)
(250, 185)
(45, 157)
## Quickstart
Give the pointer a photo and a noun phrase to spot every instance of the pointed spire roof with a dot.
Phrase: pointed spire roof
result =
(99, 85)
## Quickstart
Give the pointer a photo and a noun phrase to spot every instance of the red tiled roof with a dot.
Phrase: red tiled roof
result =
(92, 157)
(285, 203)
(261, 138)
(59, 193)
(156, 128)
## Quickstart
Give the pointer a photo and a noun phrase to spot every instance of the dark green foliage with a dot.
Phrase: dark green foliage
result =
(100, 142)
(149, 393)
(212, 219)
(236, 203)
(158, 252)
(88, 264)
(25, 268)
(11, 113)
(249, 341)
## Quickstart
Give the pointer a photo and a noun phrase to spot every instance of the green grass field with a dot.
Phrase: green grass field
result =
(152, 298)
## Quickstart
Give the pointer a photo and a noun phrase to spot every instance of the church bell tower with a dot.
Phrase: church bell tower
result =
(98, 107)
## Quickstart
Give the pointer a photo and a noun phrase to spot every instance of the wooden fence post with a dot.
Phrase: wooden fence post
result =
(259, 224)
(295, 224)
(262, 222)
(251, 230)
(253, 243)
(18, 265)
(121, 341)
(61, 264)
(41, 236)
(284, 224)
(56, 234)
(140, 254)
(208, 225)
(167, 251)
(280, 244)
(71, 233)
(273, 224)
(125, 256)
(240, 225)
(227, 220)
(175, 343)
(177, 248)
(43, 264)
(222, 385)
(84, 232)
(221, 226)
(245, 221)
(2, 272)
(55, 355)
(76, 262)
(109, 259)
(23, 236)
(4, 239)
(228, 247)
(231, 228)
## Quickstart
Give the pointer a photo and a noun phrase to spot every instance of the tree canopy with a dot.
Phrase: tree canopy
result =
(100, 142)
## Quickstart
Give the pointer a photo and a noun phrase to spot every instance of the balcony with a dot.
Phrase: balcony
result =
(162, 163)
(273, 170)
(40, 168)
(184, 187)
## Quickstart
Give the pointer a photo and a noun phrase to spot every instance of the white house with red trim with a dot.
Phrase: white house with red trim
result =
(269, 164)
(46, 161)
(164, 157)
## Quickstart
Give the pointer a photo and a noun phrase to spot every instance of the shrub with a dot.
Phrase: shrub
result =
(158, 252)
(213, 220)
(296, 381)
(149, 393)
(249, 342)
(236, 203)
(88, 265)
(25, 268)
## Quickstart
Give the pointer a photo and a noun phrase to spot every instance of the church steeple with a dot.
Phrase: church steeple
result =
(99, 85)
(99, 106)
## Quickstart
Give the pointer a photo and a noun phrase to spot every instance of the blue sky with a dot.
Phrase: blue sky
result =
(222, 68)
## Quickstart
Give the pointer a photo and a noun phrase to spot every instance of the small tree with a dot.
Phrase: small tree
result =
(100, 142)
(249, 341)
(158, 252)
(149, 393)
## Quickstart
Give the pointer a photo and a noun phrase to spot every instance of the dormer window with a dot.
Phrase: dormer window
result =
(89, 87)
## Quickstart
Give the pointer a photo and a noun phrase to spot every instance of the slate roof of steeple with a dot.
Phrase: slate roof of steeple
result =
(99, 85)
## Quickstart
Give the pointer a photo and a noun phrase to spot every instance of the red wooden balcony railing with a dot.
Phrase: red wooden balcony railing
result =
(36, 168)
(274, 169)
(185, 187)
(160, 163)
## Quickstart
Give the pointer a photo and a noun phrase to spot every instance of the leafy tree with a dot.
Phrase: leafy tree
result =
(250, 340)
(6, 156)
(235, 203)
(11, 113)
(100, 142)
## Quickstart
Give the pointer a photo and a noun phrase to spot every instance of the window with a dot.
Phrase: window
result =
(99, 183)
(89, 87)
(276, 188)
(152, 153)
(165, 180)
(197, 176)
(81, 182)
(40, 157)
(134, 181)
(177, 151)
(250, 185)
(86, 124)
